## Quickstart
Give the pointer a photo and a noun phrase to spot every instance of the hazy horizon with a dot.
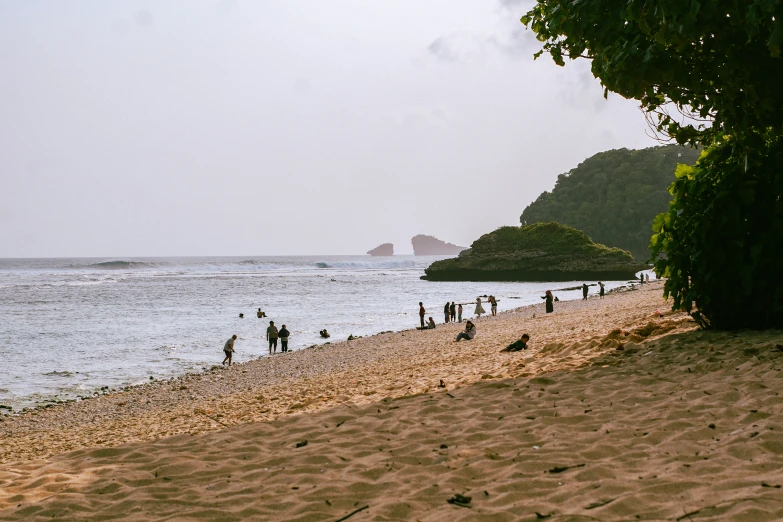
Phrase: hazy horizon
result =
(231, 128)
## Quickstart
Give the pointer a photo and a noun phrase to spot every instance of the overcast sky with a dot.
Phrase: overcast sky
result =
(281, 126)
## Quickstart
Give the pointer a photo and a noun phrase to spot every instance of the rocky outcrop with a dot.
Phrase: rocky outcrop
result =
(432, 246)
(539, 252)
(386, 249)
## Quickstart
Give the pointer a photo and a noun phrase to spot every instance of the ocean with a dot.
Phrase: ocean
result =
(70, 328)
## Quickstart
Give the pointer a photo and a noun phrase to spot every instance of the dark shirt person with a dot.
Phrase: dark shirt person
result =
(601, 291)
(453, 312)
(283, 335)
(271, 336)
(446, 313)
(324, 334)
(584, 291)
(518, 345)
(549, 299)
(422, 311)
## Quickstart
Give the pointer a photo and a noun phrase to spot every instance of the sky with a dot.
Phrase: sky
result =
(282, 127)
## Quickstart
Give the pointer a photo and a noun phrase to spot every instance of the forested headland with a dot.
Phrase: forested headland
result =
(614, 196)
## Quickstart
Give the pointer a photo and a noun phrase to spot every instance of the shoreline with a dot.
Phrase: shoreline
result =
(359, 371)
(610, 415)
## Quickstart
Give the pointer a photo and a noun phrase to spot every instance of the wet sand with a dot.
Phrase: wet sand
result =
(679, 424)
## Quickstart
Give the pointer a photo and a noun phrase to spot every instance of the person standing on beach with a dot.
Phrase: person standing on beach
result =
(228, 349)
(494, 303)
(283, 335)
(479, 309)
(646, 278)
(550, 307)
(446, 312)
(453, 312)
(422, 311)
(584, 291)
(601, 291)
(468, 334)
(271, 336)
(459, 312)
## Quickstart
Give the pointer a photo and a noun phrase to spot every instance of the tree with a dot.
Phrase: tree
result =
(718, 64)
(614, 196)
(717, 60)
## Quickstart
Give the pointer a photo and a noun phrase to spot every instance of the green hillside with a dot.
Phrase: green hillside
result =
(614, 196)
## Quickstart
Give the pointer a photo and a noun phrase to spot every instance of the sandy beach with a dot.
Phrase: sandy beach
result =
(614, 413)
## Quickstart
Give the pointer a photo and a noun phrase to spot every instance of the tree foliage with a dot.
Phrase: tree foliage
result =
(723, 238)
(613, 196)
(719, 60)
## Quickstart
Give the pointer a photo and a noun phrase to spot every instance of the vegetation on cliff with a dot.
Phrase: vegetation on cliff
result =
(614, 196)
(539, 252)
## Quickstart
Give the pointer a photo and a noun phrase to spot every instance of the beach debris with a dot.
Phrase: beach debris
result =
(301, 444)
(779, 347)
(460, 500)
(441, 384)
(711, 426)
(443, 446)
(765, 485)
(600, 503)
(540, 516)
(352, 513)
(560, 469)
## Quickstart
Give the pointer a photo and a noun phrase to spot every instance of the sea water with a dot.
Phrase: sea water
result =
(69, 327)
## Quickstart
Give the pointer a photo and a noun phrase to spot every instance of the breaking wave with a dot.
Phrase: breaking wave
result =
(120, 265)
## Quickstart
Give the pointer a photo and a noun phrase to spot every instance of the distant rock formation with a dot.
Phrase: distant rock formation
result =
(386, 249)
(539, 252)
(432, 246)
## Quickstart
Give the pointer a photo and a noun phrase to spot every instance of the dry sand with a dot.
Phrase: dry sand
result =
(573, 429)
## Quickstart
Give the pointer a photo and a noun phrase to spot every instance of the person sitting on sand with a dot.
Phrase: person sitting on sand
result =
(271, 336)
(283, 335)
(519, 344)
(228, 349)
(549, 299)
(324, 334)
(469, 333)
(479, 309)
(431, 324)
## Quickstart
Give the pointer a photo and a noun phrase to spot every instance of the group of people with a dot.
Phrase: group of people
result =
(273, 335)
(585, 290)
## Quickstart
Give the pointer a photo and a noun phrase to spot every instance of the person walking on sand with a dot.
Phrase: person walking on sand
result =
(468, 334)
(518, 345)
(550, 307)
(494, 303)
(601, 291)
(422, 311)
(479, 309)
(453, 312)
(446, 312)
(584, 291)
(271, 336)
(283, 335)
(228, 349)
(459, 312)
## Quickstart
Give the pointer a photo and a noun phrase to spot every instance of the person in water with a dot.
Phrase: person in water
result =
(228, 349)
(453, 312)
(422, 311)
(519, 344)
(324, 334)
(260, 314)
(584, 291)
(479, 309)
(283, 335)
(494, 305)
(241, 315)
(446, 312)
(271, 336)
(459, 312)
(601, 291)
(549, 300)
(469, 333)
